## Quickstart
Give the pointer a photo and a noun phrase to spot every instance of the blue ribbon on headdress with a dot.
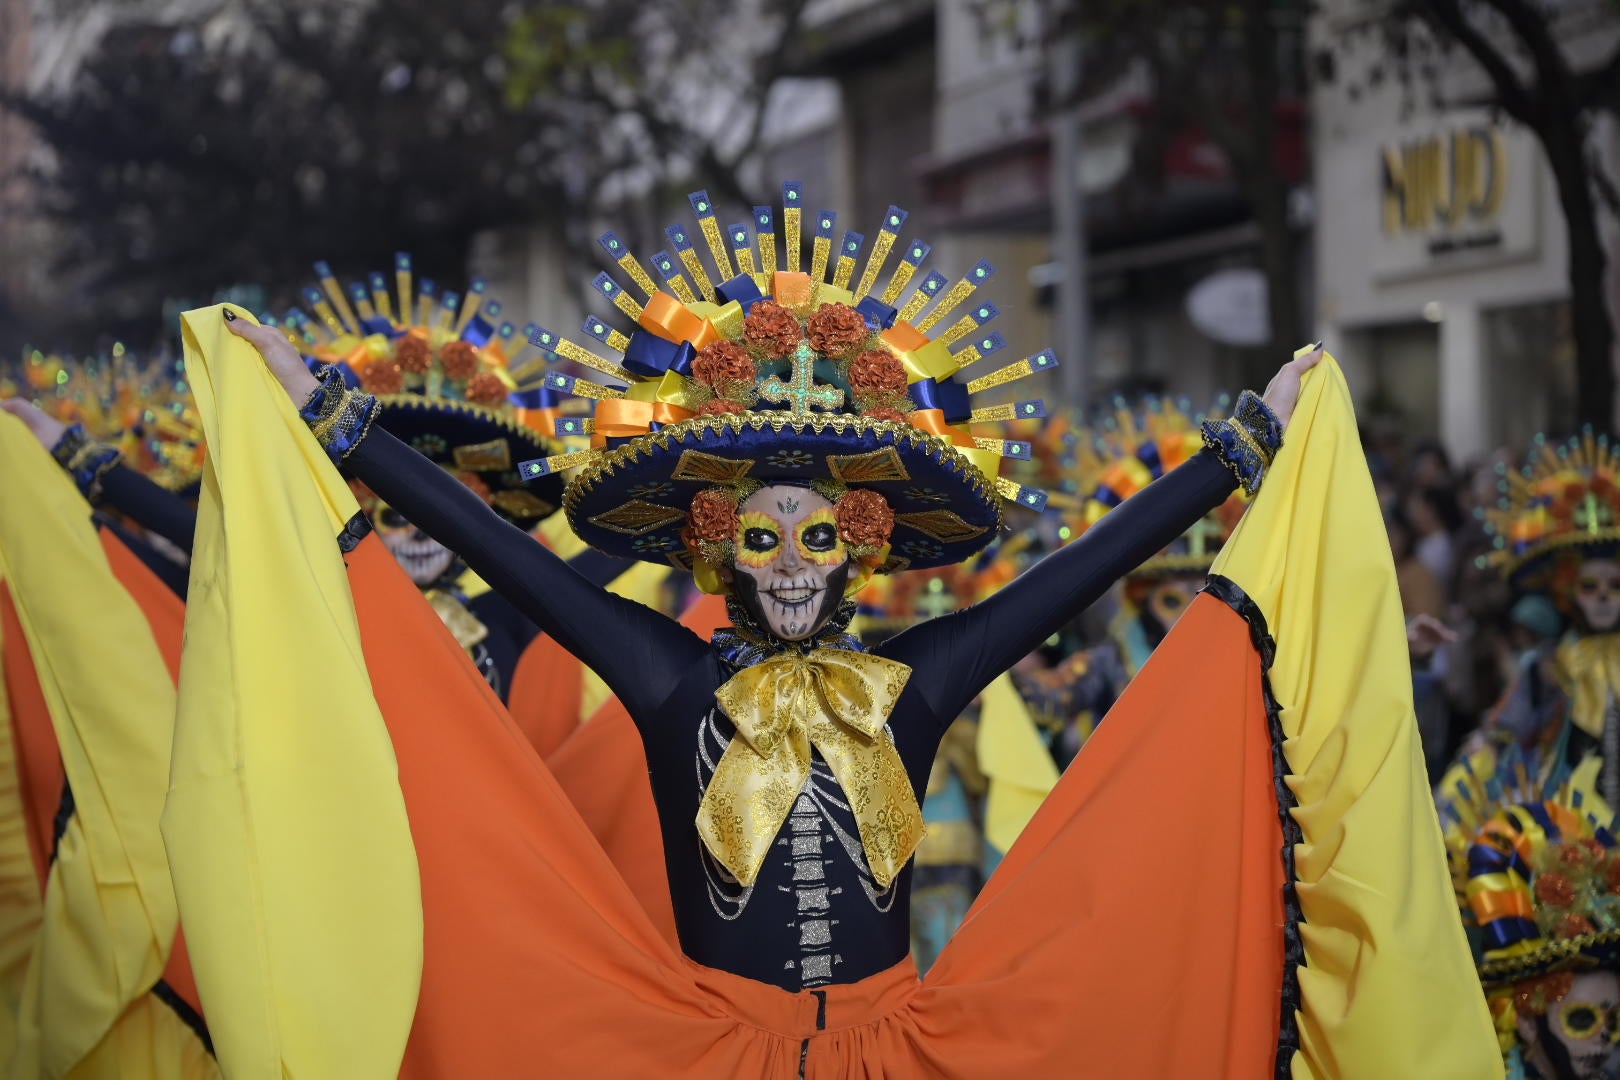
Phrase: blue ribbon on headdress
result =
(538, 397)
(742, 289)
(649, 355)
(477, 331)
(946, 395)
(1148, 454)
(379, 324)
(878, 315)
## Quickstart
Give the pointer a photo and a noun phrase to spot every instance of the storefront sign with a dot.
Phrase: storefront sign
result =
(1461, 194)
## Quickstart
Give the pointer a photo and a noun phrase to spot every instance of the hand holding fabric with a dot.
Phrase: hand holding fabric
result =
(43, 427)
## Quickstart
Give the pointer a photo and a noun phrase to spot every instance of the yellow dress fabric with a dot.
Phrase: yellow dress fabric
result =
(1388, 986)
(20, 909)
(287, 833)
(1017, 764)
(109, 914)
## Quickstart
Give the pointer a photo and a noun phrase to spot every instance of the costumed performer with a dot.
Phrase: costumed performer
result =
(785, 469)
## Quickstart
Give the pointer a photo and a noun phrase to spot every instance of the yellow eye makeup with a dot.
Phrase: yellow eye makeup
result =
(1582, 1020)
(817, 539)
(759, 539)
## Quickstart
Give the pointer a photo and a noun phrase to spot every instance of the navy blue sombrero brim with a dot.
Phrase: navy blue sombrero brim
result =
(1598, 950)
(470, 438)
(632, 501)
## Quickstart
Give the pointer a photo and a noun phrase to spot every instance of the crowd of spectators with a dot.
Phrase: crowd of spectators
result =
(1466, 627)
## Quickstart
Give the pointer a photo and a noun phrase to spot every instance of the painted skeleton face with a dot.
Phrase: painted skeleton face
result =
(1597, 594)
(1583, 1027)
(423, 558)
(791, 566)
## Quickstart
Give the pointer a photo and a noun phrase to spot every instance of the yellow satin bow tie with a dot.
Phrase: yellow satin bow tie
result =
(1590, 666)
(838, 701)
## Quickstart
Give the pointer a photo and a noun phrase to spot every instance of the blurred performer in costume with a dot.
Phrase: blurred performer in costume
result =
(1540, 880)
(1557, 531)
(95, 974)
(787, 447)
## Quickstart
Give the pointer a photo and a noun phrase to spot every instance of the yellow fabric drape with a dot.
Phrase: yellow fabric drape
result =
(1388, 985)
(109, 913)
(1590, 670)
(20, 908)
(1015, 761)
(286, 827)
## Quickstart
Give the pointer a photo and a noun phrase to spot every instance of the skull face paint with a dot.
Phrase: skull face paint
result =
(1171, 597)
(1597, 594)
(791, 565)
(423, 558)
(1577, 1036)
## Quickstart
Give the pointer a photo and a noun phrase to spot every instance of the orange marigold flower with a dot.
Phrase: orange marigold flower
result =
(1555, 890)
(486, 388)
(772, 329)
(1573, 926)
(720, 407)
(836, 330)
(413, 354)
(723, 363)
(877, 370)
(713, 516)
(460, 360)
(383, 377)
(864, 518)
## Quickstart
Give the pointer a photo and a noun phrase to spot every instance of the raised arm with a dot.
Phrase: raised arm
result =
(958, 655)
(638, 652)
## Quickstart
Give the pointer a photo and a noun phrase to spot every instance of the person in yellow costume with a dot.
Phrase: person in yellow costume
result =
(1556, 532)
(87, 986)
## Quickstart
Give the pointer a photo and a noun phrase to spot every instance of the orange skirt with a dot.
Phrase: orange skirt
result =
(1081, 956)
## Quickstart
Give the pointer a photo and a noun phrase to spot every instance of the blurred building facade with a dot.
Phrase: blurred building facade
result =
(1441, 246)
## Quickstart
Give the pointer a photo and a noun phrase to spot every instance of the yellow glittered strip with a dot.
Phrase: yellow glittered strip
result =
(1045, 360)
(717, 246)
(584, 388)
(339, 301)
(469, 307)
(402, 282)
(902, 274)
(638, 273)
(694, 266)
(893, 218)
(557, 463)
(958, 293)
(996, 414)
(926, 291)
(792, 222)
(568, 350)
(960, 329)
(820, 252)
(766, 238)
(843, 271)
(1008, 448)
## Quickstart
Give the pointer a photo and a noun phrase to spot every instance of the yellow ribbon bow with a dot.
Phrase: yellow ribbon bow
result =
(838, 701)
(1590, 669)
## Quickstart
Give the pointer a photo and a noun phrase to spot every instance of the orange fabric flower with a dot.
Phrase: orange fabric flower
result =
(723, 364)
(1555, 890)
(720, 407)
(836, 330)
(772, 329)
(877, 370)
(712, 518)
(1573, 926)
(864, 519)
(1611, 874)
(383, 377)
(486, 388)
(460, 360)
(413, 354)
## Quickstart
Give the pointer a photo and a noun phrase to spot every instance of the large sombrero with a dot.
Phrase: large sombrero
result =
(755, 374)
(448, 375)
(1129, 448)
(142, 407)
(1566, 498)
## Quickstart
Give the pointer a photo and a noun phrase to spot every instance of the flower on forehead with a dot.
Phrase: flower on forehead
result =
(877, 370)
(383, 377)
(712, 518)
(772, 329)
(413, 354)
(486, 388)
(723, 364)
(864, 519)
(836, 330)
(460, 359)
(1536, 995)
